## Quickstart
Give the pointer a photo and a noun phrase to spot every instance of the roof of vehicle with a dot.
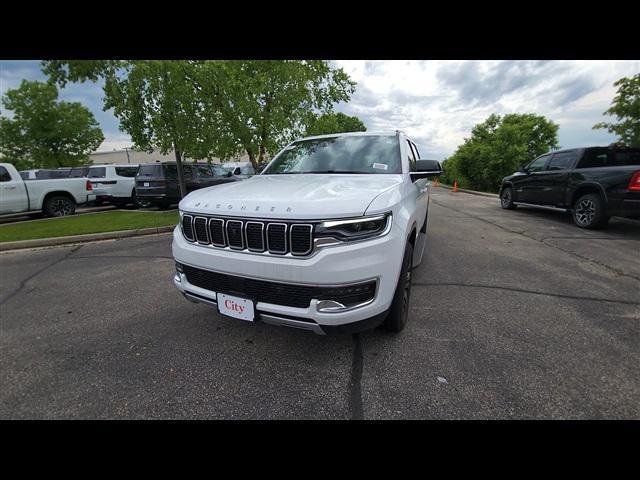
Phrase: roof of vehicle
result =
(113, 165)
(386, 133)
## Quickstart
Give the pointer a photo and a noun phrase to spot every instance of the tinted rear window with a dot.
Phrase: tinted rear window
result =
(126, 171)
(49, 174)
(97, 172)
(158, 171)
(606, 157)
(79, 172)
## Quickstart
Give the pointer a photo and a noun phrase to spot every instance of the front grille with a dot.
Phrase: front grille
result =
(291, 295)
(254, 235)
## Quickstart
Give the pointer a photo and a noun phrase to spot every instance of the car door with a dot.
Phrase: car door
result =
(553, 180)
(13, 195)
(527, 182)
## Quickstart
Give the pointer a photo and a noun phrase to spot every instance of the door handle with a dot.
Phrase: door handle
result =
(10, 188)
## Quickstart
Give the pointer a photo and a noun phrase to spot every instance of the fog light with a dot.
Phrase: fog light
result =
(338, 299)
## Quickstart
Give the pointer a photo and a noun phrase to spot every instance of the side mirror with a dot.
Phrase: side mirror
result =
(229, 174)
(523, 169)
(426, 169)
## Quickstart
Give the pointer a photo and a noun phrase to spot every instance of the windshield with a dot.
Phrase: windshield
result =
(344, 154)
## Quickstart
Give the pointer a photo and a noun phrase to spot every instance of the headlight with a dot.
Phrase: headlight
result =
(354, 228)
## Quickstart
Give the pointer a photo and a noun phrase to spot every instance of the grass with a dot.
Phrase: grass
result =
(86, 223)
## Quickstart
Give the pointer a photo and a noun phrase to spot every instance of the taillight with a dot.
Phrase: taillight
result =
(634, 183)
(89, 186)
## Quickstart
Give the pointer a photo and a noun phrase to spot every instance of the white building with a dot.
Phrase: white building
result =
(135, 156)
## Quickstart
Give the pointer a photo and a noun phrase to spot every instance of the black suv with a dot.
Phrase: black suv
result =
(593, 183)
(157, 182)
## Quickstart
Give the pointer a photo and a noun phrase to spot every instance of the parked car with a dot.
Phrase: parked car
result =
(55, 197)
(244, 169)
(115, 184)
(324, 239)
(593, 184)
(157, 183)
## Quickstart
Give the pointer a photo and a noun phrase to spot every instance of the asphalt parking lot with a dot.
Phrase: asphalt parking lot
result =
(514, 314)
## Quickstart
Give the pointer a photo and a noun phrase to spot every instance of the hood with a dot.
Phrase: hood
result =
(295, 196)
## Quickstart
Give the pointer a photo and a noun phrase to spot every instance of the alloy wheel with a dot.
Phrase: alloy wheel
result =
(61, 207)
(585, 212)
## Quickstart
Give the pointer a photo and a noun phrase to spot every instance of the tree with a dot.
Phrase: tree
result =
(334, 123)
(626, 108)
(45, 132)
(153, 100)
(499, 145)
(263, 105)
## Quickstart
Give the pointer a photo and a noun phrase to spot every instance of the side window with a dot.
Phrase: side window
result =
(4, 175)
(594, 157)
(411, 157)
(204, 172)
(97, 172)
(128, 172)
(538, 164)
(562, 161)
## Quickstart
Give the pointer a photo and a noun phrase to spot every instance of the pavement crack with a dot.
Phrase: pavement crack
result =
(521, 290)
(24, 282)
(543, 242)
(355, 385)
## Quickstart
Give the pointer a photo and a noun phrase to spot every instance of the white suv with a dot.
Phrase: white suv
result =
(115, 184)
(324, 239)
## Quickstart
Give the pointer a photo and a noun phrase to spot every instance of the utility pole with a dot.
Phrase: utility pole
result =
(126, 149)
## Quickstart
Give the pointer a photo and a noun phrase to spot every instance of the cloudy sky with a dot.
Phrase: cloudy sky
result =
(435, 102)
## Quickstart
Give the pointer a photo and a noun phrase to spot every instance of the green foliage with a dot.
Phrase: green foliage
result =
(45, 132)
(626, 108)
(207, 109)
(497, 147)
(334, 123)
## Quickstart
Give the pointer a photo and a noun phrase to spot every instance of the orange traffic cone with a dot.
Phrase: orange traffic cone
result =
(455, 185)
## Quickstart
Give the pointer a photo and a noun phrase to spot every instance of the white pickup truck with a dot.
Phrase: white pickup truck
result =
(324, 239)
(55, 197)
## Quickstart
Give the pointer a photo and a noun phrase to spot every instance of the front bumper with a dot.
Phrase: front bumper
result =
(378, 259)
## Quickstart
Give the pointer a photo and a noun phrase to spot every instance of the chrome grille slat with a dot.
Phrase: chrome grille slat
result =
(254, 237)
(200, 230)
(187, 227)
(277, 238)
(235, 236)
(300, 239)
(216, 232)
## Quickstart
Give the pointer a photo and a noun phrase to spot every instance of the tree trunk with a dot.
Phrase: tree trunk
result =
(252, 157)
(181, 182)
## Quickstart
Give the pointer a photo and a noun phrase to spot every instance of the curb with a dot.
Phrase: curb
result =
(91, 237)
(472, 192)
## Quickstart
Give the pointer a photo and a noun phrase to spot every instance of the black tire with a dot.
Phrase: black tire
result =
(59, 206)
(589, 212)
(506, 198)
(399, 311)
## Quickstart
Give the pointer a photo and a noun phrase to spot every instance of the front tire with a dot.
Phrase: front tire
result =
(506, 199)
(589, 212)
(59, 206)
(399, 311)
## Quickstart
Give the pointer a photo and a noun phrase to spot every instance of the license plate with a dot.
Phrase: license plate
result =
(236, 307)
(146, 184)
